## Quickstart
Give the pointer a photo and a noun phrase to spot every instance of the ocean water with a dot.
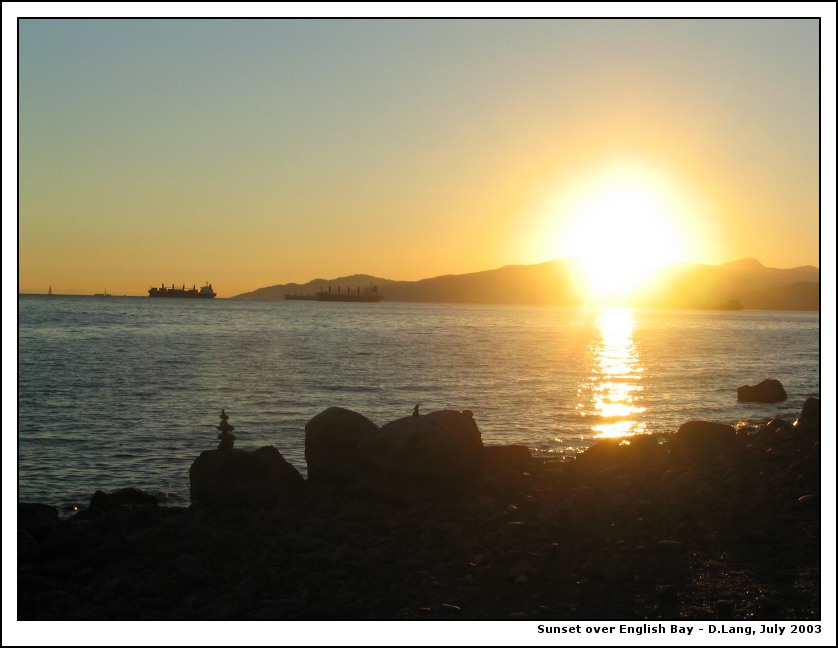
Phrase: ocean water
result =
(127, 391)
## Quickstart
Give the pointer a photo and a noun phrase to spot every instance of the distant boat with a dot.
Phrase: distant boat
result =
(104, 294)
(206, 292)
(368, 295)
(49, 292)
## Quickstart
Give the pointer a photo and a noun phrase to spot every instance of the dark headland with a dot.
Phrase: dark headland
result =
(705, 523)
(684, 286)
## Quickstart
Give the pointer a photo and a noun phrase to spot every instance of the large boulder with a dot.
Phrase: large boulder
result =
(703, 441)
(233, 478)
(332, 439)
(433, 456)
(768, 391)
(810, 415)
(632, 454)
(37, 519)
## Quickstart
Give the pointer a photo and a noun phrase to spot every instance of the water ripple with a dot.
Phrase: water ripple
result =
(127, 391)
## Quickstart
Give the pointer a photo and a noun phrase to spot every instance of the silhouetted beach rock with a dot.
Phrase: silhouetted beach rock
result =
(27, 546)
(810, 415)
(423, 457)
(331, 444)
(703, 441)
(506, 457)
(640, 452)
(37, 519)
(233, 477)
(768, 391)
(123, 497)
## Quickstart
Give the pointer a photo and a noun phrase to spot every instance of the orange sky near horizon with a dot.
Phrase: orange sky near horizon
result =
(260, 152)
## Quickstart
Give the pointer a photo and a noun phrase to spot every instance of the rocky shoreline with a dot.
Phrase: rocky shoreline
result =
(689, 526)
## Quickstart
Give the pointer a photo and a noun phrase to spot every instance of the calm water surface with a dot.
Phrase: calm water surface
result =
(116, 392)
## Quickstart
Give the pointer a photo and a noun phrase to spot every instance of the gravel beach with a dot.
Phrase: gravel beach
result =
(649, 528)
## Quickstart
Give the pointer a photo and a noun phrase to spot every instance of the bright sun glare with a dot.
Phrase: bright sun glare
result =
(620, 231)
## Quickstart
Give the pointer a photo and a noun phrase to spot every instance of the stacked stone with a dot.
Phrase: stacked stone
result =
(225, 433)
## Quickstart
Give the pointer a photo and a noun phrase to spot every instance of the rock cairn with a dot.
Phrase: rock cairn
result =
(229, 477)
(225, 433)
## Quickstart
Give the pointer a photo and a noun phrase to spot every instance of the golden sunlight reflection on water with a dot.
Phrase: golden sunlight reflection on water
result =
(613, 391)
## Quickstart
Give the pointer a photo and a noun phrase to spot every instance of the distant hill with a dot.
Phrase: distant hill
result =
(747, 280)
(551, 283)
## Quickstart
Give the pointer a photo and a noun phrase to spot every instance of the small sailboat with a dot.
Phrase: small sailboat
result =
(49, 292)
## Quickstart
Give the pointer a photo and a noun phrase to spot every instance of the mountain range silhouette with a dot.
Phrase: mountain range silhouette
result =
(694, 286)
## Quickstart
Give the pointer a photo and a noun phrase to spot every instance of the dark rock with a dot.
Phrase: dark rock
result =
(37, 519)
(356, 509)
(449, 610)
(770, 604)
(69, 539)
(434, 456)
(724, 608)
(298, 543)
(779, 425)
(611, 456)
(331, 444)
(233, 478)
(668, 596)
(806, 501)
(703, 441)
(122, 497)
(27, 547)
(506, 457)
(35, 583)
(768, 391)
(672, 546)
(810, 415)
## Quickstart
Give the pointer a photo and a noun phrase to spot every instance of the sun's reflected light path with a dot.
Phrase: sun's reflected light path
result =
(612, 396)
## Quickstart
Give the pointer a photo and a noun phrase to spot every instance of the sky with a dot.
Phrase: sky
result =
(253, 152)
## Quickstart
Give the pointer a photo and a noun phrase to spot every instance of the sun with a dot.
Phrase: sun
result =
(621, 231)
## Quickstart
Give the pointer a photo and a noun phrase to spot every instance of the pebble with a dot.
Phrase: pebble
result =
(770, 603)
(672, 546)
(724, 606)
(448, 608)
(668, 596)
(806, 501)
